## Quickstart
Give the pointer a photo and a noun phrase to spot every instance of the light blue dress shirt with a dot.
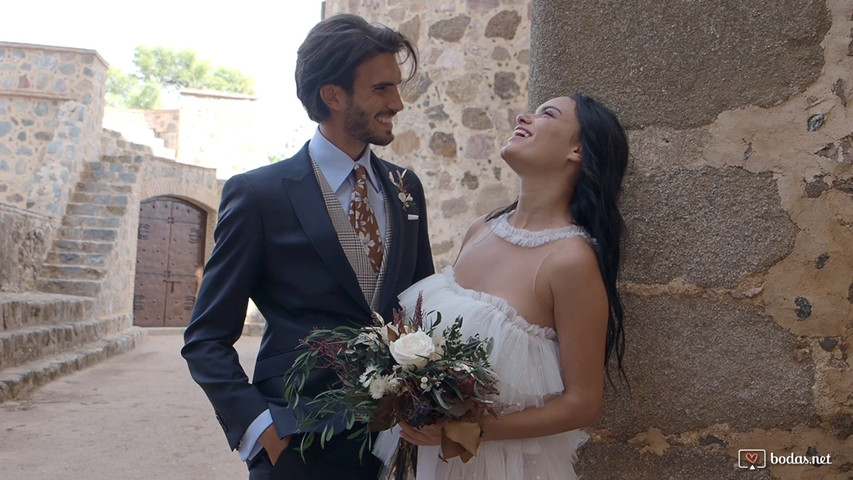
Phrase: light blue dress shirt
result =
(337, 167)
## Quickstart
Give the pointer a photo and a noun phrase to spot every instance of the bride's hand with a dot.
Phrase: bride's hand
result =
(425, 435)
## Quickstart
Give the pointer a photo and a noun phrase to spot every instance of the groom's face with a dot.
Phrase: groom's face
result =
(374, 101)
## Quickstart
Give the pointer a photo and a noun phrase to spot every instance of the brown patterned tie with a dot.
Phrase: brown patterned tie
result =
(363, 220)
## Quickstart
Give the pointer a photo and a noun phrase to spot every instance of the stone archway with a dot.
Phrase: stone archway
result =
(169, 260)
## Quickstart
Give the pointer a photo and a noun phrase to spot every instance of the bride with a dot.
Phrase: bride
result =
(539, 277)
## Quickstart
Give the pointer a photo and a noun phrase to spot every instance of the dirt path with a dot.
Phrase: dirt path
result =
(136, 416)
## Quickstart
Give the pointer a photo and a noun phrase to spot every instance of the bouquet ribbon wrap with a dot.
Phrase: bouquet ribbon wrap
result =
(460, 438)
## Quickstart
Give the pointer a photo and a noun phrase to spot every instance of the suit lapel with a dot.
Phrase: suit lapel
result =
(301, 186)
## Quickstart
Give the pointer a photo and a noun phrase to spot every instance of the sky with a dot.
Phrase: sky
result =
(257, 37)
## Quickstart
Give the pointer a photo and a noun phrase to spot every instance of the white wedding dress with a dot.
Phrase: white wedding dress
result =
(525, 357)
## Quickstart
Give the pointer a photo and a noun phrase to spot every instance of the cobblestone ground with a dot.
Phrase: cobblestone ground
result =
(135, 416)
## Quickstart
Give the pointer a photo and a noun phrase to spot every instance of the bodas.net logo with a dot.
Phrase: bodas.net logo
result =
(751, 458)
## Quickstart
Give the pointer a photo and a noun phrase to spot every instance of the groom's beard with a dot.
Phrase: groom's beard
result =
(358, 123)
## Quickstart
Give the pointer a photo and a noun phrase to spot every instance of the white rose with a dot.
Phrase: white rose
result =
(413, 349)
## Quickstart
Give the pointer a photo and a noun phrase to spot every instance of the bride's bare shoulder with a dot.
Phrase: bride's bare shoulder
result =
(476, 227)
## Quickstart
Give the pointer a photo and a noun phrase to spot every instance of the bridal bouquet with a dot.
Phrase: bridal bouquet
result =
(398, 371)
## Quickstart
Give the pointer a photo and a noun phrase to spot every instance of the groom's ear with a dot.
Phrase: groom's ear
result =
(333, 96)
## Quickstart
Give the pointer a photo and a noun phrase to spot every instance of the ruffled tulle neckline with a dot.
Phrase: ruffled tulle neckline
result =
(536, 238)
(512, 315)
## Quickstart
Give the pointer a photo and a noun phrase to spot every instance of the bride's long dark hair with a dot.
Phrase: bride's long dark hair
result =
(595, 205)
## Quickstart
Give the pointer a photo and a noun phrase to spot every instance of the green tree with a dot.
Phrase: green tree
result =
(161, 69)
(129, 91)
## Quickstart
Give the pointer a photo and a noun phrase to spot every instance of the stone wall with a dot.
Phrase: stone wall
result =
(739, 208)
(23, 241)
(165, 125)
(222, 131)
(461, 105)
(51, 109)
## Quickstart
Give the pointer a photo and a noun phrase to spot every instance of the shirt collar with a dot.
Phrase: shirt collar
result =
(337, 165)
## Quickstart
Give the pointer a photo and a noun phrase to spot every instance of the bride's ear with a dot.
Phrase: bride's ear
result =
(575, 153)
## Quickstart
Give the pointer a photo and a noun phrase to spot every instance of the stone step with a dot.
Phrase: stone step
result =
(95, 210)
(100, 198)
(99, 187)
(127, 159)
(93, 234)
(126, 178)
(118, 147)
(72, 272)
(83, 288)
(19, 381)
(82, 246)
(115, 166)
(87, 221)
(23, 310)
(76, 258)
(21, 346)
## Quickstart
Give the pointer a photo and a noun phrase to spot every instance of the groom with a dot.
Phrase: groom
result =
(318, 240)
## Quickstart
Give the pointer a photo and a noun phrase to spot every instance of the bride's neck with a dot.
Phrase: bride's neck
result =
(541, 207)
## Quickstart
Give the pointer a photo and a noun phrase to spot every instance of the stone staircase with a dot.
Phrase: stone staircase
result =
(78, 262)
(47, 335)
(61, 328)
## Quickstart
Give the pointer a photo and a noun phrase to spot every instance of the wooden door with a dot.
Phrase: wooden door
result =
(169, 259)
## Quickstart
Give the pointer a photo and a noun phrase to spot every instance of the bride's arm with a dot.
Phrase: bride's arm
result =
(571, 281)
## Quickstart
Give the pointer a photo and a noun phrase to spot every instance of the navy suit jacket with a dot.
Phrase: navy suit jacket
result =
(275, 244)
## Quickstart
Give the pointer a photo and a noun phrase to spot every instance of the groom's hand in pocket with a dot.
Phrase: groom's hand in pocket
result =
(273, 444)
(425, 435)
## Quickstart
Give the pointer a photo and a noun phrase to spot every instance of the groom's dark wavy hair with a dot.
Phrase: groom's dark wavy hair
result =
(595, 205)
(334, 49)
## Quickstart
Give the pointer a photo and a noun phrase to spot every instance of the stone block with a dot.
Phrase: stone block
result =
(99, 198)
(450, 30)
(414, 88)
(694, 362)
(83, 246)
(5, 351)
(476, 119)
(614, 461)
(406, 143)
(83, 233)
(503, 25)
(676, 64)
(73, 272)
(86, 221)
(707, 227)
(443, 144)
(505, 85)
(85, 288)
(454, 206)
(74, 258)
(94, 187)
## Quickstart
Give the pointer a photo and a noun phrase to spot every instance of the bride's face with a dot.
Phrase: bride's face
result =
(546, 139)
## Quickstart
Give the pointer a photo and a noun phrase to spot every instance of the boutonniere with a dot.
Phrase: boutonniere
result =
(402, 194)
